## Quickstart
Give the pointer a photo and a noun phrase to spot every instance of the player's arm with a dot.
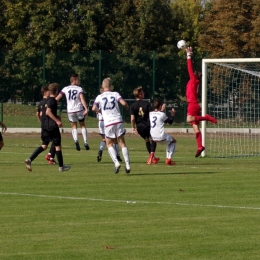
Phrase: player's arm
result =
(170, 119)
(3, 126)
(189, 62)
(134, 131)
(83, 102)
(95, 108)
(124, 104)
(54, 118)
(59, 97)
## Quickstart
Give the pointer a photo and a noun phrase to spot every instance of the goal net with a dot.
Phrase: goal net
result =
(231, 93)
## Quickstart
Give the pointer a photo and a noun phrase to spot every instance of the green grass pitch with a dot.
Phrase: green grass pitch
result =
(200, 208)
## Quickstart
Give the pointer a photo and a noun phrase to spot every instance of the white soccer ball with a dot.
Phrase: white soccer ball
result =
(181, 44)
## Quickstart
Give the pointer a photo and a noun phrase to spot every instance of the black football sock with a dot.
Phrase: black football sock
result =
(52, 151)
(153, 146)
(148, 146)
(59, 158)
(36, 152)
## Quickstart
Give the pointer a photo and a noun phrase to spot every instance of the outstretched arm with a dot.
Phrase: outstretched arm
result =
(123, 103)
(189, 62)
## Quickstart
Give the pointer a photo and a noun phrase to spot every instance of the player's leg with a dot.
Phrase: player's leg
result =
(45, 142)
(103, 141)
(110, 133)
(1, 141)
(36, 152)
(121, 141)
(200, 147)
(116, 146)
(84, 131)
(51, 154)
(56, 137)
(170, 149)
(74, 133)
(194, 115)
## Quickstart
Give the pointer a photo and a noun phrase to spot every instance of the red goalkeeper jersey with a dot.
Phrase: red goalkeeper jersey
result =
(192, 88)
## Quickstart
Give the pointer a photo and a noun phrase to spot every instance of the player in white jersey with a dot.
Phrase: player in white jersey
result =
(157, 120)
(102, 144)
(107, 104)
(76, 109)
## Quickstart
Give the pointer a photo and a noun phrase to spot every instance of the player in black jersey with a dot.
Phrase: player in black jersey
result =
(50, 130)
(4, 128)
(140, 122)
(45, 94)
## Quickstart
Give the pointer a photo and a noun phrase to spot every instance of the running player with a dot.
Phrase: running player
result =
(194, 111)
(50, 130)
(157, 121)
(76, 108)
(107, 104)
(45, 94)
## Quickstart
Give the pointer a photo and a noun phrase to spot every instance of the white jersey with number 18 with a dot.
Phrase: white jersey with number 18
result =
(72, 94)
(107, 102)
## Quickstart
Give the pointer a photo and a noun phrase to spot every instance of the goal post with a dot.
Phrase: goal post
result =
(231, 93)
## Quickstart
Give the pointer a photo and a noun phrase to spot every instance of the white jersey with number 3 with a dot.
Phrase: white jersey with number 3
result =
(107, 102)
(157, 119)
(72, 94)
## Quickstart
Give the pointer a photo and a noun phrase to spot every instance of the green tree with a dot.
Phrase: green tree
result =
(228, 28)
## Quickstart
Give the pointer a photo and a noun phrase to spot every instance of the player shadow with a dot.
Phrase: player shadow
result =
(170, 173)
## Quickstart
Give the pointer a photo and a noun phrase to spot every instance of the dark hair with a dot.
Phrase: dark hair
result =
(157, 103)
(73, 77)
(198, 75)
(44, 89)
(53, 88)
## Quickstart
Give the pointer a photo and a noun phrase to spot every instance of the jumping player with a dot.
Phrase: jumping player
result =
(107, 104)
(157, 121)
(194, 111)
(102, 145)
(76, 108)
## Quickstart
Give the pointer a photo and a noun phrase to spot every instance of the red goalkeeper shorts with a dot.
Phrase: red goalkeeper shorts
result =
(193, 109)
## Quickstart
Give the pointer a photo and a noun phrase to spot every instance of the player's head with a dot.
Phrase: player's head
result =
(74, 79)
(157, 104)
(45, 91)
(198, 75)
(53, 88)
(101, 90)
(107, 84)
(138, 92)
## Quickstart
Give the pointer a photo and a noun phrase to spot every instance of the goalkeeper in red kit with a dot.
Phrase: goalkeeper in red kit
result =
(194, 110)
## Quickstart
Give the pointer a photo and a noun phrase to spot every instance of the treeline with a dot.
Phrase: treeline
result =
(132, 41)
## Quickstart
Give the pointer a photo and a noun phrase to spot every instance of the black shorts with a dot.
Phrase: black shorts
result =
(51, 136)
(1, 137)
(143, 130)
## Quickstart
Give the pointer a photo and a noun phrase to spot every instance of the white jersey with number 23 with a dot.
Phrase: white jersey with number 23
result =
(107, 102)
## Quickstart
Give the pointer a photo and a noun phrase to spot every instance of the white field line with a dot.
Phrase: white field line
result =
(128, 201)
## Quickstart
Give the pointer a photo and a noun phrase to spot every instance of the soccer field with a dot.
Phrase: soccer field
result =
(200, 208)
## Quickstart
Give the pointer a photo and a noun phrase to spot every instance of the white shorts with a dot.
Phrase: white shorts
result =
(101, 127)
(77, 116)
(167, 139)
(114, 131)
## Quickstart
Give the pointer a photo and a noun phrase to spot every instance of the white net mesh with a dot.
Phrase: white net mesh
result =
(233, 97)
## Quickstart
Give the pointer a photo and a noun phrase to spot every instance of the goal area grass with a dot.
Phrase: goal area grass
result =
(200, 208)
